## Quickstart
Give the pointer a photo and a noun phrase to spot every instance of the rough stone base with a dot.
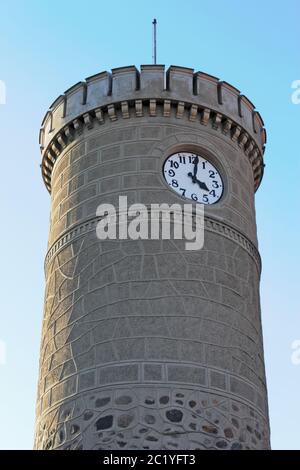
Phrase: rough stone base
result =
(153, 418)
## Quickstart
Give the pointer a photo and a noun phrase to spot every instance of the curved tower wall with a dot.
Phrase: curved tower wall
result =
(144, 344)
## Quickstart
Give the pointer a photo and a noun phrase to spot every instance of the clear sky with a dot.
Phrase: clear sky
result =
(47, 46)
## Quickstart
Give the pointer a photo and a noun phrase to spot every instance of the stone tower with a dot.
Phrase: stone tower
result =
(146, 345)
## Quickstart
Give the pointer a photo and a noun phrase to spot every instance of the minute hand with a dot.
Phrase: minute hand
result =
(196, 161)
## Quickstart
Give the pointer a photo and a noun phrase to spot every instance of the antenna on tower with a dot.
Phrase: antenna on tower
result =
(154, 22)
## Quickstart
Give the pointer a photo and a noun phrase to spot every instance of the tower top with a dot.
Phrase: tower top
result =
(128, 92)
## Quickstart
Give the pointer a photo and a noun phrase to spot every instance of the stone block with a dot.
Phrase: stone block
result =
(87, 380)
(162, 349)
(137, 148)
(119, 374)
(110, 153)
(217, 380)
(242, 389)
(150, 132)
(186, 374)
(153, 372)
(130, 348)
(129, 268)
(192, 351)
(77, 152)
(63, 390)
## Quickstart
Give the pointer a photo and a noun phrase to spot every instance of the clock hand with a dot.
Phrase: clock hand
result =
(195, 180)
(196, 161)
(202, 185)
(193, 175)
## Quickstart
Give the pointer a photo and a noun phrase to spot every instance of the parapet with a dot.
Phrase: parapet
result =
(205, 98)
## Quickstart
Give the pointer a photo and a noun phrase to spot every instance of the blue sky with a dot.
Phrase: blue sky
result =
(45, 47)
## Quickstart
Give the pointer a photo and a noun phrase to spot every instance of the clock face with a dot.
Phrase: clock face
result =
(193, 177)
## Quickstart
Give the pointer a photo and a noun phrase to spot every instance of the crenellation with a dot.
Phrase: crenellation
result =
(179, 80)
(74, 100)
(47, 126)
(206, 90)
(264, 139)
(99, 89)
(41, 139)
(125, 82)
(56, 103)
(231, 88)
(84, 94)
(104, 89)
(104, 93)
(230, 101)
(152, 79)
(58, 109)
(220, 92)
(247, 109)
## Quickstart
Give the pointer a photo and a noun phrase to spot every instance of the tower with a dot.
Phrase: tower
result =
(145, 344)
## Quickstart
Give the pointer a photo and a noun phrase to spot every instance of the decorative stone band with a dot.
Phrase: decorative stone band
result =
(209, 224)
(127, 92)
(212, 380)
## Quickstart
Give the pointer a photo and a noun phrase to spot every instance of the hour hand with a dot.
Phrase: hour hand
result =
(202, 185)
(192, 176)
(195, 180)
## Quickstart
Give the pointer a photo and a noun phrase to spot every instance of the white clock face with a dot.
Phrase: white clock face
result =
(193, 177)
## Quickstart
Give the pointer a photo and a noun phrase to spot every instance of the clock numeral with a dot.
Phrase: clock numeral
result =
(191, 159)
(171, 172)
(213, 193)
(194, 197)
(205, 198)
(175, 183)
(181, 159)
(203, 165)
(174, 164)
(183, 191)
(215, 184)
(212, 173)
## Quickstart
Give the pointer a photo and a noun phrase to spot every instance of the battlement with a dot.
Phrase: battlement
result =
(205, 97)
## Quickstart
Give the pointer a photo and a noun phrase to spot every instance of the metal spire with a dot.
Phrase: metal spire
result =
(154, 22)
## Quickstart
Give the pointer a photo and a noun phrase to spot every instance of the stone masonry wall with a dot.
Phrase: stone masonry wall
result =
(144, 344)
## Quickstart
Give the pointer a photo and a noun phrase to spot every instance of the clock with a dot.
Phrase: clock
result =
(193, 177)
